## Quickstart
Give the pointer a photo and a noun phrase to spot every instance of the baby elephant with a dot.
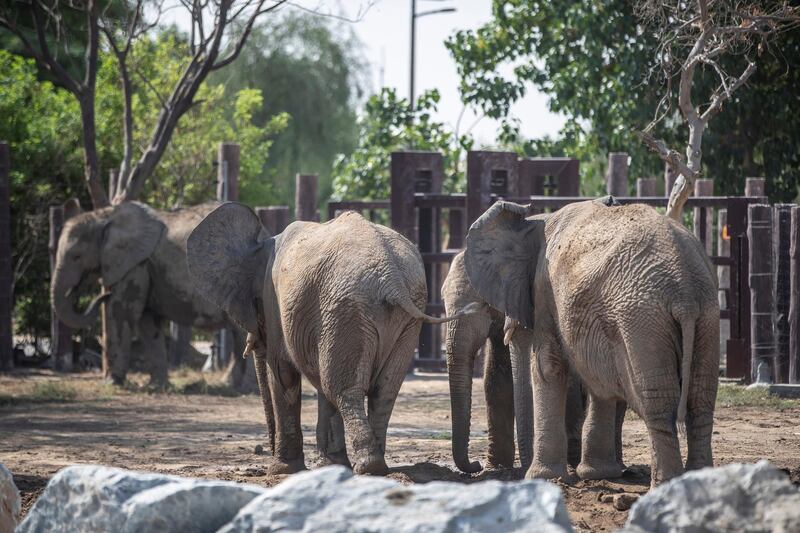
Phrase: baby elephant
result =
(340, 303)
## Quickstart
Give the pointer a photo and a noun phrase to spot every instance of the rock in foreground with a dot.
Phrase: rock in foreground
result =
(9, 501)
(94, 498)
(737, 497)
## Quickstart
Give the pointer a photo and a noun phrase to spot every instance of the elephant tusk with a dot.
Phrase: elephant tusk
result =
(509, 328)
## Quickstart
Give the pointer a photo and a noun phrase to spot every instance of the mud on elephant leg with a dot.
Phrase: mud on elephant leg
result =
(284, 385)
(330, 434)
(599, 454)
(549, 401)
(499, 390)
(152, 337)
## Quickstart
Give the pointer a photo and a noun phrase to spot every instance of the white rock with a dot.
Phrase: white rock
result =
(737, 497)
(97, 498)
(333, 500)
(9, 501)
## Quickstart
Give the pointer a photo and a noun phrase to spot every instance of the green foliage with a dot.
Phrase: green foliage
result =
(390, 124)
(186, 174)
(593, 59)
(729, 395)
(312, 70)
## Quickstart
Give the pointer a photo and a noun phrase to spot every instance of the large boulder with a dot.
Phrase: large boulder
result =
(738, 497)
(9, 501)
(94, 498)
(98, 498)
(333, 500)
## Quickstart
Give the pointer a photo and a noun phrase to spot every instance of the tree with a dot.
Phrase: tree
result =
(693, 36)
(219, 30)
(593, 58)
(389, 124)
(313, 71)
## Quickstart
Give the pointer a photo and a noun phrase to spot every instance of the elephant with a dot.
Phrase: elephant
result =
(506, 376)
(340, 303)
(626, 297)
(139, 254)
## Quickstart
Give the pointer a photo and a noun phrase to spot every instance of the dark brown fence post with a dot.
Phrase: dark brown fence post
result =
(754, 186)
(794, 299)
(569, 180)
(60, 333)
(670, 176)
(456, 229)
(617, 175)
(6, 336)
(723, 275)
(305, 197)
(489, 173)
(762, 343)
(703, 216)
(275, 217)
(781, 235)
(645, 187)
(737, 361)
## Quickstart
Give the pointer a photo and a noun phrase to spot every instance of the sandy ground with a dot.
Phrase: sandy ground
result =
(43, 428)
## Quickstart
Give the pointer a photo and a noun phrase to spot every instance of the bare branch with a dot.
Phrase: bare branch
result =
(671, 157)
(721, 97)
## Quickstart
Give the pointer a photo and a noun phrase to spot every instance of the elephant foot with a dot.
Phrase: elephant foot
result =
(276, 466)
(327, 459)
(599, 470)
(546, 471)
(157, 386)
(374, 465)
(117, 381)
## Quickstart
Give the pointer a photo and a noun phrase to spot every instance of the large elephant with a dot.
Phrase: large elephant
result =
(506, 380)
(339, 303)
(625, 296)
(139, 255)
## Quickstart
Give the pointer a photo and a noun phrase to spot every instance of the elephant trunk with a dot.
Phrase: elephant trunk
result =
(521, 353)
(460, 360)
(63, 292)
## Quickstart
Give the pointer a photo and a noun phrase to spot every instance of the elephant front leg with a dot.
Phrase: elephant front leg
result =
(499, 390)
(549, 400)
(599, 449)
(284, 384)
(330, 434)
(152, 336)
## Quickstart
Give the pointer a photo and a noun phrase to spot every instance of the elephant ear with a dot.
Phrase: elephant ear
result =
(500, 258)
(130, 236)
(227, 256)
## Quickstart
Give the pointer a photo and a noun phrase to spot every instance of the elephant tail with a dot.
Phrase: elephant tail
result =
(687, 334)
(409, 307)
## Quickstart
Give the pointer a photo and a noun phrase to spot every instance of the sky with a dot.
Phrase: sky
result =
(385, 32)
(383, 27)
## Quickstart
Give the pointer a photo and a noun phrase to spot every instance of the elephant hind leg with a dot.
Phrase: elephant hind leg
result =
(702, 393)
(330, 434)
(599, 454)
(285, 385)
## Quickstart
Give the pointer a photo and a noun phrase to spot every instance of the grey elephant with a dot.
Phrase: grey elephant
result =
(626, 297)
(506, 379)
(339, 303)
(139, 255)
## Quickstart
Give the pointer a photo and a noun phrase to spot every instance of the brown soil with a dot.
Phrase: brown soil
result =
(215, 437)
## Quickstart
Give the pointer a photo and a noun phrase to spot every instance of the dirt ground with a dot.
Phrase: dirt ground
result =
(50, 421)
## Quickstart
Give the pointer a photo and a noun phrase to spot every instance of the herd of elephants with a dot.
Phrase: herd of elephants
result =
(584, 312)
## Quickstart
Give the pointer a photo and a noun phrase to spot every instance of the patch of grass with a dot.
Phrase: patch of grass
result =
(729, 395)
(53, 391)
(444, 435)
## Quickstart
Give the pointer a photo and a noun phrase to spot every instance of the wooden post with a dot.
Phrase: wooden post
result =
(737, 349)
(305, 197)
(6, 280)
(60, 333)
(275, 218)
(670, 176)
(228, 172)
(703, 216)
(617, 175)
(724, 277)
(754, 187)
(180, 342)
(489, 173)
(645, 187)
(781, 237)
(762, 302)
(456, 229)
(794, 299)
(569, 180)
